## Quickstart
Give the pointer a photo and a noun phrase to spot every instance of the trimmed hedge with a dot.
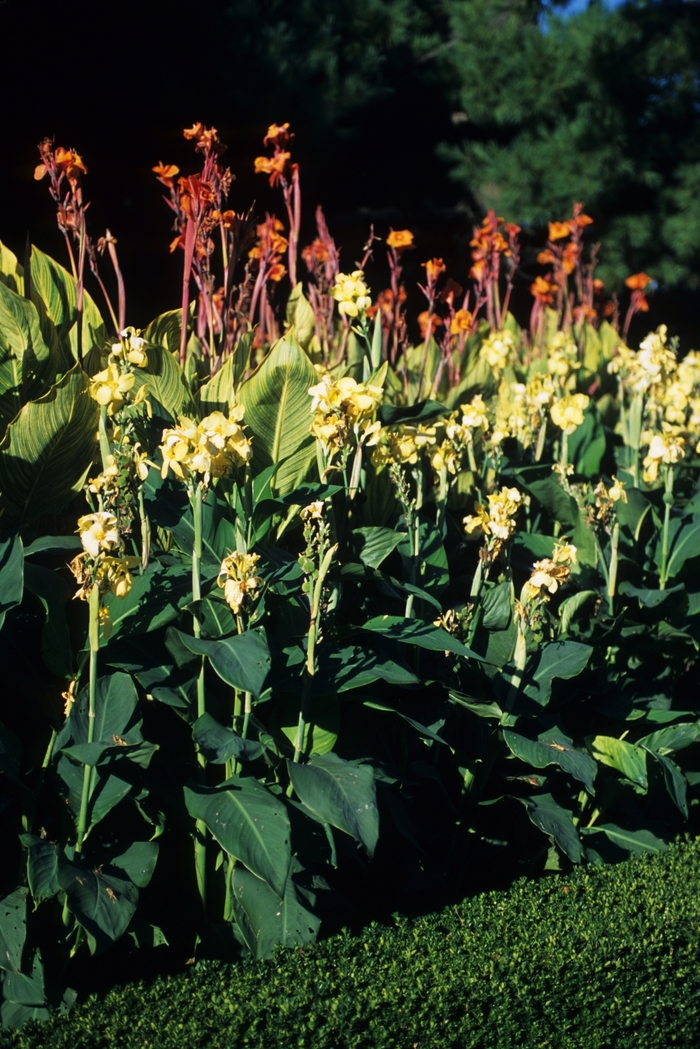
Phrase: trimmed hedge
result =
(603, 957)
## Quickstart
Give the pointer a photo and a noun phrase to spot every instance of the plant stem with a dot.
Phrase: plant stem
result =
(519, 659)
(94, 635)
(200, 841)
(612, 579)
(314, 628)
(103, 438)
(665, 537)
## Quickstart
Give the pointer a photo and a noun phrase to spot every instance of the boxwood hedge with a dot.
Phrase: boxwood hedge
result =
(602, 957)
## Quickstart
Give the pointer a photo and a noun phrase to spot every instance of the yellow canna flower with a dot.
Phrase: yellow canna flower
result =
(98, 533)
(567, 413)
(238, 578)
(110, 387)
(352, 294)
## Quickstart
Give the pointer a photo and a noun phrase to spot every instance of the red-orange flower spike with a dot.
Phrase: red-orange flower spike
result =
(278, 135)
(638, 281)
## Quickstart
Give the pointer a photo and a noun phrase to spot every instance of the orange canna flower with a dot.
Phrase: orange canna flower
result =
(399, 239)
(272, 166)
(277, 271)
(546, 258)
(542, 289)
(195, 131)
(598, 284)
(165, 173)
(478, 270)
(638, 281)
(178, 242)
(511, 229)
(557, 230)
(426, 320)
(462, 321)
(315, 253)
(582, 313)
(582, 220)
(39, 172)
(569, 257)
(433, 269)
(278, 135)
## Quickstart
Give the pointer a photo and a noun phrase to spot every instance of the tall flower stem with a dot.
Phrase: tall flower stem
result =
(94, 636)
(314, 630)
(665, 534)
(612, 578)
(200, 841)
(103, 438)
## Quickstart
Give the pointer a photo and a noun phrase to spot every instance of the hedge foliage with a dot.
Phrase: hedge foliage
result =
(602, 958)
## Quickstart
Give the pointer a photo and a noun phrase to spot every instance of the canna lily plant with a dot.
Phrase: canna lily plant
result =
(341, 595)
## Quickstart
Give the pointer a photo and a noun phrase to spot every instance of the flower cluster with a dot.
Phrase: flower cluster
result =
(239, 579)
(497, 522)
(352, 294)
(498, 350)
(102, 563)
(208, 449)
(550, 573)
(112, 386)
(340, 406)
(567, 412)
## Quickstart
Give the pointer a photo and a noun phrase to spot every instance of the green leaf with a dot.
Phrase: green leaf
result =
(634, 841)
(300, 316)
(675, 782)
(138, 862)
(26, 993)
(28, 364)
(242, 661)
(219, 394)
(102, 904)
(553, 748)
(321, 729)
(11, 574)
(422, 635)
(47, 451)
(341, 793)
(164, 331)
(116, 712)
(570, 606)
(278, 413)
(165, 382)
(648, 598)
(375, 544)
(42, 867)
(218, 744)
(433, 573)
(558, 659)
(556, 822)
(422, 411)
(11, 271)
(250, 823)
(13, 929)
(266, 921)
(495, 601)
(586, 445)
(627, 758)
(685, 545)
(154, 600)
(54, 292)
(674, 737)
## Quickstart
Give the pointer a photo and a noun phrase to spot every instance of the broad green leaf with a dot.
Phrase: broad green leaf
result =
(138, 862)
(570, 606)
(375, 544)
(242, 661)
(495, 602)
(393, 415)
(540, 482)
(163, 378)
(110, 784)
(433, 574)
(28, 365)
(266, 921)
(672, 738)
(250, 823)
(164, 331)
(321, 729)
(634, 841)
(154, 600)
(116, 713)
(676, 783)
(11, 574)
(341, 793)
(24, 994)
(13, 929)
(627, 758)
(423, 730)
(555, 821)
(685, 545)
(278, 413)
(558, 659)
(104, 905)
(11, 271)
(586, 445)
(42, 867)
(553, 748)
(353, 666)
(649, 598)
(422, 635)
(218, 743)
(219, 394)
(300, 316)
(47, 451)
(54, 291)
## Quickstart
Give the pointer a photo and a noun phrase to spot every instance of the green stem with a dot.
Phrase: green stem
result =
(603, 562)
(200, 840)
(105, 452)
(314, 628)
(94, 635)
(612, 579)
(414, 533)
(665, 535)
(145, 531)
(520, 660)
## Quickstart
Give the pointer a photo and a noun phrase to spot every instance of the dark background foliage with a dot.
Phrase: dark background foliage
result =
(415, 113)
